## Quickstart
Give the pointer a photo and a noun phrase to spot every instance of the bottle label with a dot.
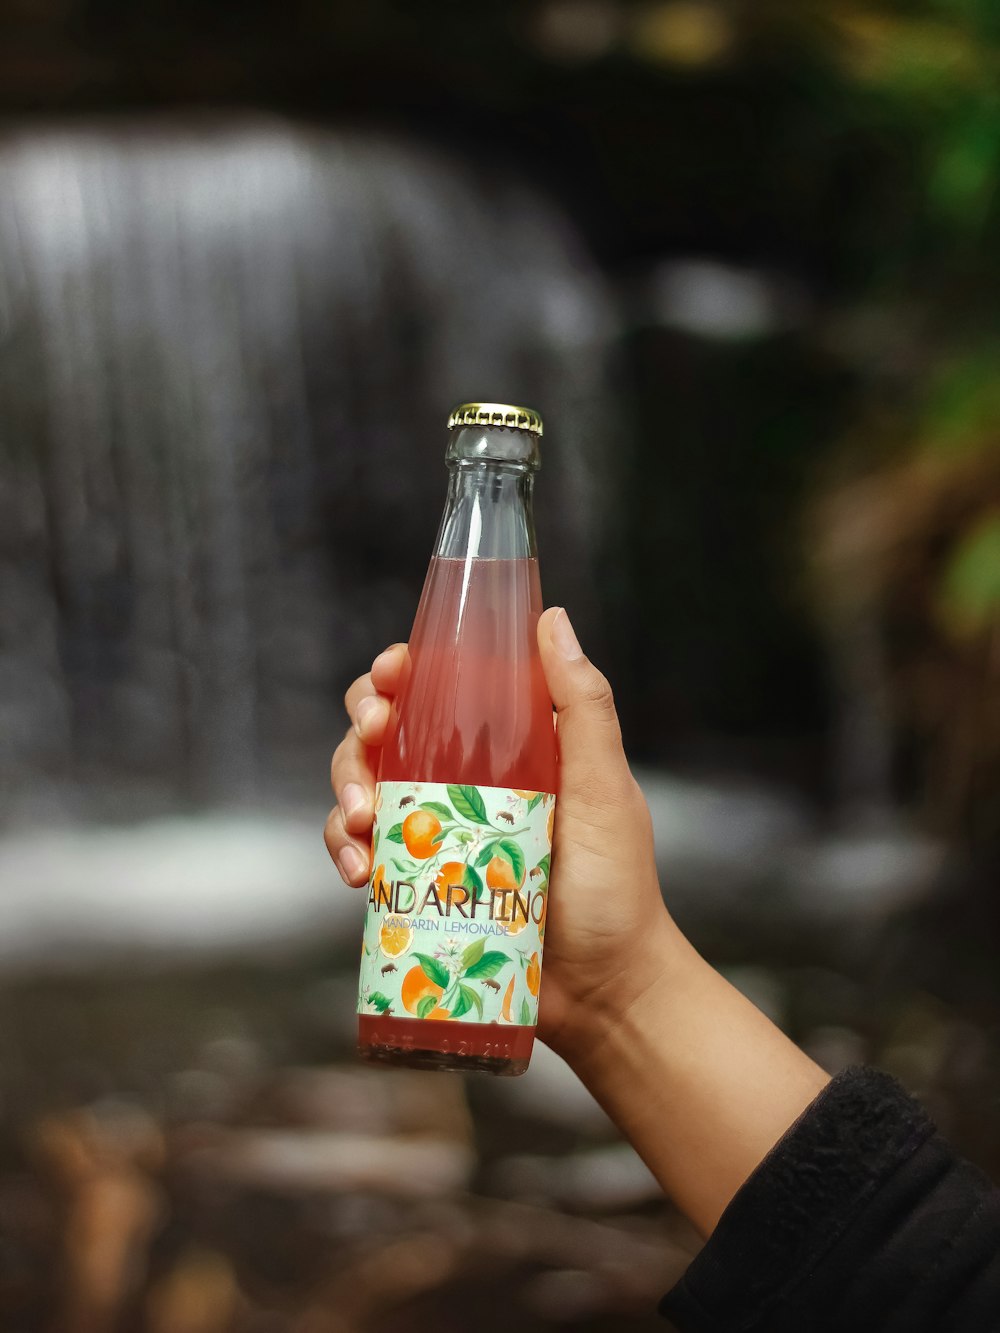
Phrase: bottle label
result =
(457, 902)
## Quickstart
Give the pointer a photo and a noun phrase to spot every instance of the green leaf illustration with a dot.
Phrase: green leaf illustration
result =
(473, 953)
(428, 1003)
(544, 864)
(433, 969)
(535, 800)
(525, 1015)
(379, 1001)
(473, 997)
(468, 802)
(486, 854)
(464, 1002)
(438, 808)
(510, 849)
(488, 966)
(463, 835)
(395, 834)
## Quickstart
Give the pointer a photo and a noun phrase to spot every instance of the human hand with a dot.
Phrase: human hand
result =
(608, 938)
(697, 1079)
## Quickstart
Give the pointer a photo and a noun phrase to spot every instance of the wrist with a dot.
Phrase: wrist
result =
(660, 965)
(696, 1078)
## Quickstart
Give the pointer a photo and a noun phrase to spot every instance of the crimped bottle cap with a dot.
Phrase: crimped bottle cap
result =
(496, 414)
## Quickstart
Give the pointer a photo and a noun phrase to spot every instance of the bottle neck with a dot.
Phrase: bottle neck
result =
(488, 513)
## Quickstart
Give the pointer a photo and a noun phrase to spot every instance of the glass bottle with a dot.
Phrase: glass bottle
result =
(465, 801)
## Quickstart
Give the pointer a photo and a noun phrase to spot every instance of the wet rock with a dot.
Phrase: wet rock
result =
(98, 1159)
(373, 1101)
(746, 865)
(567, 1295)
(862, 876)
(762, 988)
(550, 1091)
(835, 1048)
(598, 1180)
(318, 1161)
(204, 885)
(714, 839)
(382, 1277)
(639, 1261)
(199, 1295)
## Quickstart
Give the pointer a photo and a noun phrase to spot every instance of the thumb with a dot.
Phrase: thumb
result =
(590, 739)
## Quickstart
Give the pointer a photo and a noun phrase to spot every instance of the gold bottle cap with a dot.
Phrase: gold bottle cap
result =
(496, 414)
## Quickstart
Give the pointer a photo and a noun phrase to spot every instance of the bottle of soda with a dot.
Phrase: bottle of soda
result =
(461, 850)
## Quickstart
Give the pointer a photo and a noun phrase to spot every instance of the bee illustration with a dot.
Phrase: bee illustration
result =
(389, 967)
(534, 873)
(407, 800)
(502, 814)
(493, 985)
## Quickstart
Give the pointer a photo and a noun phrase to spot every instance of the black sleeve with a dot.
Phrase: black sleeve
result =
(861, 1218)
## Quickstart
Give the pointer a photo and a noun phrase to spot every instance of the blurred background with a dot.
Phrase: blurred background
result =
(745, 259)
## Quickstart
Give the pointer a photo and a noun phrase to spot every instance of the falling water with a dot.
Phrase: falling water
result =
(226, 351)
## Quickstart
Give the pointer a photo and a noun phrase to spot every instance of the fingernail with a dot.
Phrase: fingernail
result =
(352, 864)
(367, 709)
(564, 638)
(353, 799)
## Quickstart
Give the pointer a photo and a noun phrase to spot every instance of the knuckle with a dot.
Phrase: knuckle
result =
(594, 790)
(345, 750)
(341, 758)
(598, 693)
(642, 814)
(354, 687)
(605, 795)
(333, 829)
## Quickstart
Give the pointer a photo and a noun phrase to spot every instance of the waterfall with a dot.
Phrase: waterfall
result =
(227, 349)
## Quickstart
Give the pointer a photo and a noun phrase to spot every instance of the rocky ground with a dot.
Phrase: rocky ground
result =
(198, 1153)
(187, 1144)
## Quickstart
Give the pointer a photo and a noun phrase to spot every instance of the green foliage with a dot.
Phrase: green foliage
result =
(970, 591)
(961, 408)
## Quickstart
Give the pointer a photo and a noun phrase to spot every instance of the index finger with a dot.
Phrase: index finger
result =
(385, 678)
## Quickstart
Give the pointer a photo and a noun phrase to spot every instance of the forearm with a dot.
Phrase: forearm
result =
(698, 1080)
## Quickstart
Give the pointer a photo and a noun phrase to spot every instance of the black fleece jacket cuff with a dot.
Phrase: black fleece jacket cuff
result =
(792, 1212)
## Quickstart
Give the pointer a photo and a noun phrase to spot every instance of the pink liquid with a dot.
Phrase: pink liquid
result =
(474, 708)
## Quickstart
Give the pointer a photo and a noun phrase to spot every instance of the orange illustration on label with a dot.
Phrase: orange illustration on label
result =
(457, 903)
